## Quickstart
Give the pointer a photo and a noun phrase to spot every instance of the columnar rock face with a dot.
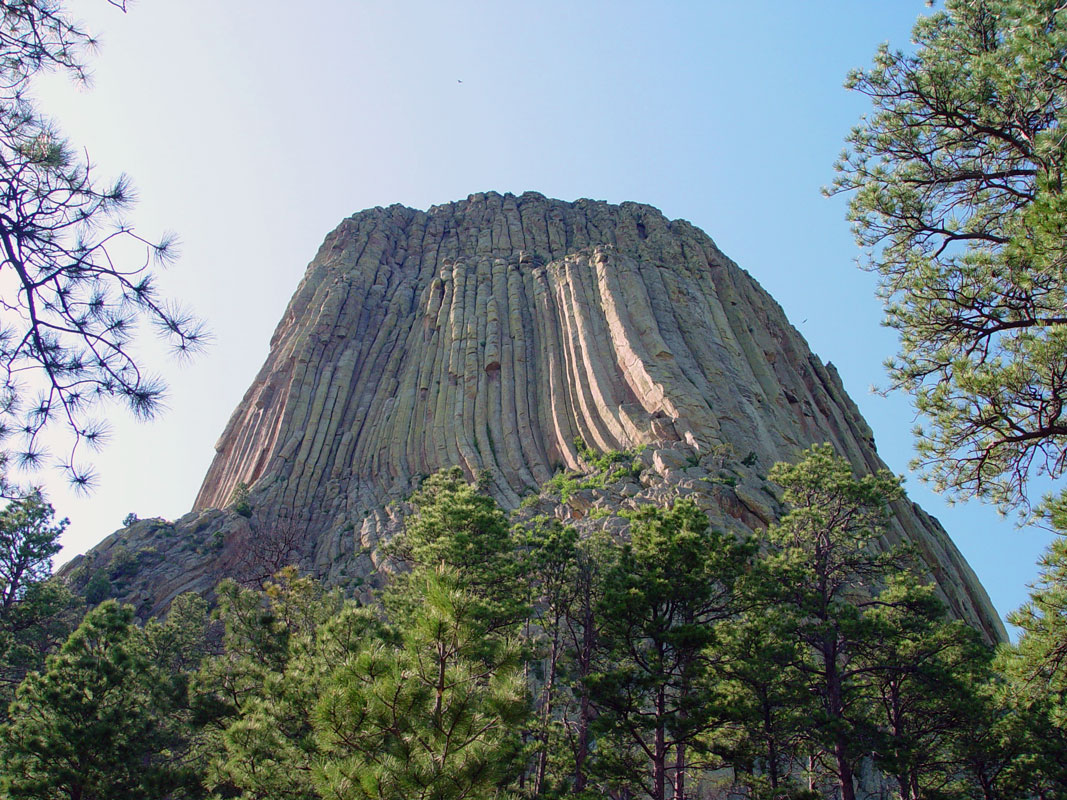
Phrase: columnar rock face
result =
(494, 334)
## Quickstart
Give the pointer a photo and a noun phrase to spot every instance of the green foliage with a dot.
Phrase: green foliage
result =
(1029, 709)
(239, 499)
(435, 711)
(457, 527)
(661, 600)
(98, 589)
(1009, 748)
(602, 470)
(28, 539)
(534, 661)
(723, 477)
(564, 484)
(957, 179)
(553, 571)
(567, 579)
(93, 724)
(255, 700)
(31, 629)
(760, 693)
(454, 524)
(77, 729)
(294, 648)
(845, 654)
(175, 648)
(608, 460)
(1039, 660)
(434, 716)
(122, 564)
(824, 571)
(958, 194)
(920, 674)
(36, 614)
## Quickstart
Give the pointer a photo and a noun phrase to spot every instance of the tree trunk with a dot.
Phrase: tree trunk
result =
(679, 745)
(845, 777)
(988, 792)
(836, 706)
(13, 585)
(546, 711)
(679, 771)
(772, 743)
(659, 760)
(585, 709)
(581, 750)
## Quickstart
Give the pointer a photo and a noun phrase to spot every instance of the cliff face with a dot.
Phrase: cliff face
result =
(492, 333)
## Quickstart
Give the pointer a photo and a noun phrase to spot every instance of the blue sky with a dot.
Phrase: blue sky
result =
(253, 128)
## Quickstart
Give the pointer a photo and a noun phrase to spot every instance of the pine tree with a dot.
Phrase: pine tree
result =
(37, 625)
(87, 727)
(36, 614)
(255, 699)
(957, 181)
(920, 673)
(583, 652)
(1039, 661)
(661, 599)
(434, 709)
(828, 570)
(760, 693)
(174, 649)
(75, 286)
(456, 526)
(28, 539)
(1010, 750)
(552, 569)
(435, 717)
(1035, 669)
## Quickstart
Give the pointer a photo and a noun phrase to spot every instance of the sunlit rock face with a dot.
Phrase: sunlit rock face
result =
(493, 333)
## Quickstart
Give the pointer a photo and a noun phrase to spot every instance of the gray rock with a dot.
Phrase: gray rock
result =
(491, 333)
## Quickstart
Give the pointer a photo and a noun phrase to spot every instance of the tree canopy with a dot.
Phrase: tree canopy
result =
(79, 278)
(957, 183)
(956, 180)
(97, 722)
(673, 660)
(36, 612)
(28, 539)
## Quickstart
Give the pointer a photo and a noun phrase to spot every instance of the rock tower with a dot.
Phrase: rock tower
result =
(499, 333)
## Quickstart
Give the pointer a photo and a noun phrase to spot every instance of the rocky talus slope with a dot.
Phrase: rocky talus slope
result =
(494, 333)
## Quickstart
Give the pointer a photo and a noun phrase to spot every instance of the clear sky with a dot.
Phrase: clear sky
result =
(253, 127)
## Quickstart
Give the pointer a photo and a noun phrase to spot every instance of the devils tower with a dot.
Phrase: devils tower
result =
(511, 336)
